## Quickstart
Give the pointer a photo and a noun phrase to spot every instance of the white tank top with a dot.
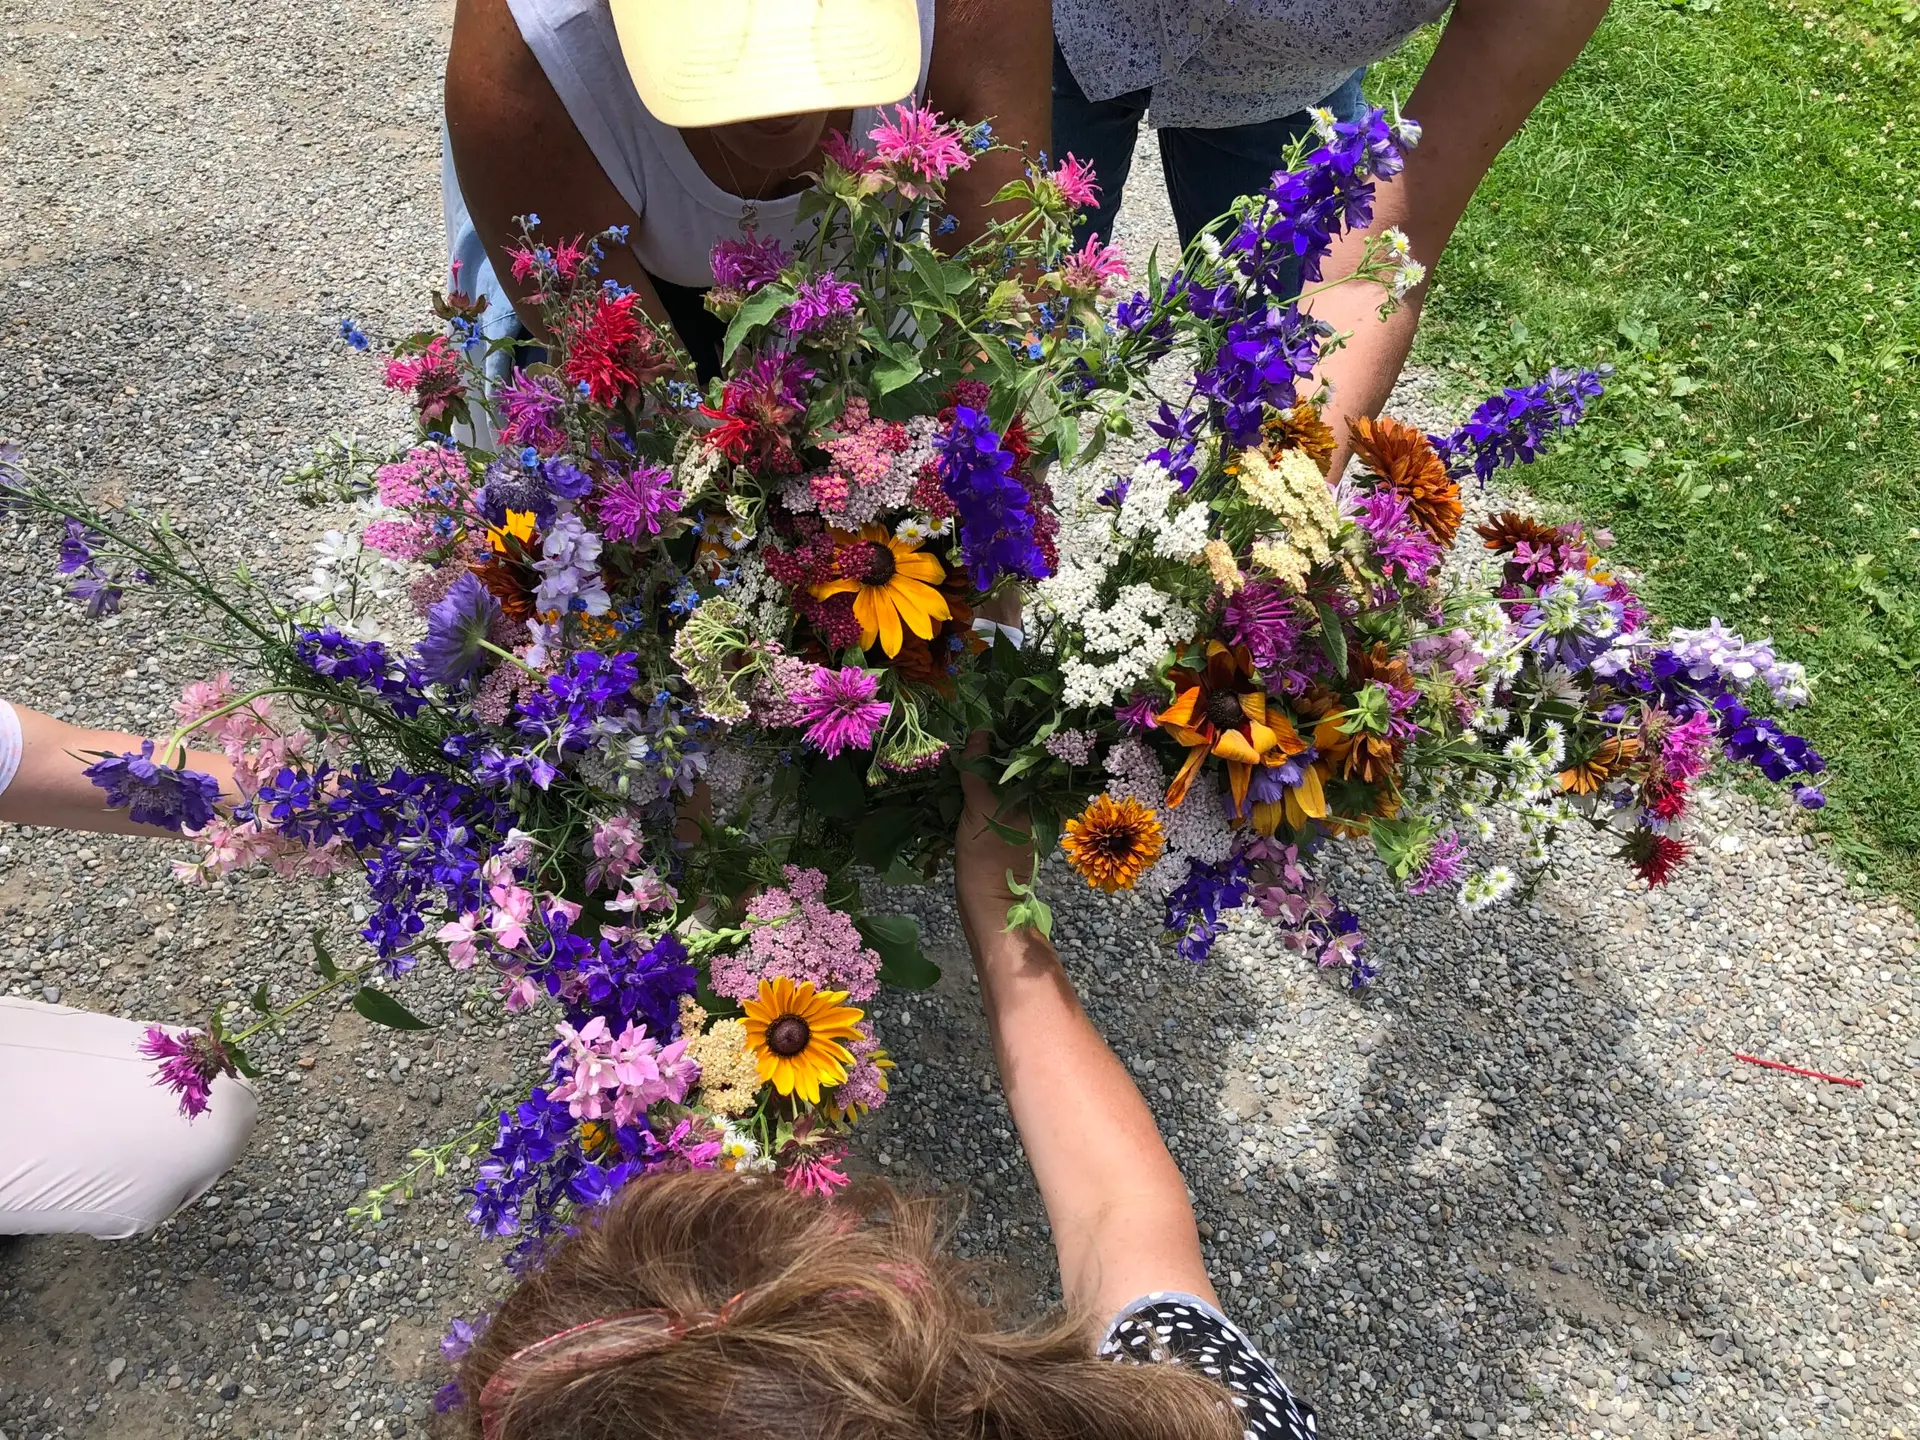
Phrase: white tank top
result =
(682, 212)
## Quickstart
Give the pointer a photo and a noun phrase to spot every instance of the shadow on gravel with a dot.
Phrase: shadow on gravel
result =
(1407, 1194)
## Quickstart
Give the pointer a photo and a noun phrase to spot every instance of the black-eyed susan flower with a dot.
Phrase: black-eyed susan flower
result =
(892, 583)
(799, 1036)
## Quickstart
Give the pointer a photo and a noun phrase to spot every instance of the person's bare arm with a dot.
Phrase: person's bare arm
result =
(992, 60)
(51, 787)
(1122, 1224)
(516, 152)
(1495, 60)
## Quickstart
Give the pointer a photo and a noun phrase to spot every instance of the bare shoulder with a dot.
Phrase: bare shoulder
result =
(496, 93)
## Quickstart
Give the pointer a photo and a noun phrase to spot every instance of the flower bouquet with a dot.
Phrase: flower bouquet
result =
(678, 661)
(1255, 656)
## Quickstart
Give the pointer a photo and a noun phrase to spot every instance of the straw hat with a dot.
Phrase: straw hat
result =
(717, 62)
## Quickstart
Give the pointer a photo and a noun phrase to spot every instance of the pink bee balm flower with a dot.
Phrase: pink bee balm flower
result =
(1074, 179)
(189, 1064)
(432, 377)
(632, 506)
(744, 265)
(1093, 268)
(820, 301)
(840, 711)
(922, 148)
(844, 153)
(818, 1174)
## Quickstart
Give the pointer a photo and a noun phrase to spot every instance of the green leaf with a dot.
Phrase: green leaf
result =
(1066, 438)
(896, 939)
(878, 839)
(322, 961)
(834, 789)
(899, 872)
(1333, 639)
(382, 1009)
(1020, 764)
(1029, 911)
(260, 1001)
(1006, 294)
(926, 265)
(891, 374)
(240, 1061)
(760, 307)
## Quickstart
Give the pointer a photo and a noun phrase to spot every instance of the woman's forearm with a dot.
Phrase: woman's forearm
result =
(1117, 1204)
(1494, 62)
(51, 787)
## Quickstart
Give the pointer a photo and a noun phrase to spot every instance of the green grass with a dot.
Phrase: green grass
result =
(1721, 198)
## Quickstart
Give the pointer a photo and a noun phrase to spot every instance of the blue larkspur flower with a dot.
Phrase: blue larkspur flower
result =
(1514, 426)
(996, 519)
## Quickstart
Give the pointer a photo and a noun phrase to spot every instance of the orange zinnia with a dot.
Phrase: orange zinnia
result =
(1404, 458)
(1222, 711)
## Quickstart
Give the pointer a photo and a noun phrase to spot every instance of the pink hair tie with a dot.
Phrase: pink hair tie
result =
(587, 1346)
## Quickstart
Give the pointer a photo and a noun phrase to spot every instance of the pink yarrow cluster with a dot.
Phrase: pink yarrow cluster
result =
(622, 1075)
(795, 933)
(876, 464)
(425, 478)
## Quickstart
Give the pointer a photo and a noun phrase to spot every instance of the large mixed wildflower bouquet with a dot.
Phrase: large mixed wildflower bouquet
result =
(1254, 656)
(619, 678)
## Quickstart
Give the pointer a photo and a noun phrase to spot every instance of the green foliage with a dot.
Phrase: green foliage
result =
(1724, 205)
(382, 1009)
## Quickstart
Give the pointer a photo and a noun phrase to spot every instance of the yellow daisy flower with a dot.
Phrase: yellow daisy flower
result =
(799, 1036)
(892, 582)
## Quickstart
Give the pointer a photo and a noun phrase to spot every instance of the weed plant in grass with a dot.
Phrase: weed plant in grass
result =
(1722, 198)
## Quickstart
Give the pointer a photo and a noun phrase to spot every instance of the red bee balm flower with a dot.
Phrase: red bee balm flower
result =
(611, 348)
(757, 410)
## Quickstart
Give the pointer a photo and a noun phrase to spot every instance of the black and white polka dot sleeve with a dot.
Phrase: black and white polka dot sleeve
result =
(1172, 1328)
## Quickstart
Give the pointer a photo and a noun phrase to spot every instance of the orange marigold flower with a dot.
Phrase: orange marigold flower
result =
(1300, 428)
(1112, 842)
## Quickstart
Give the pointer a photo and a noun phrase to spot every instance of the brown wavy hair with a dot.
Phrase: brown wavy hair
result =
(790, 1316)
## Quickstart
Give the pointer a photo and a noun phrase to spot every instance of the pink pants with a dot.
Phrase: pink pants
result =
(88, 1144)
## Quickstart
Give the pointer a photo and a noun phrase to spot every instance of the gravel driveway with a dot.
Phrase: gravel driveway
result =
(1521, 1188)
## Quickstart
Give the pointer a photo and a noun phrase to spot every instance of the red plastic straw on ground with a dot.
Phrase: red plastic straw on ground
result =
(1796, 1070)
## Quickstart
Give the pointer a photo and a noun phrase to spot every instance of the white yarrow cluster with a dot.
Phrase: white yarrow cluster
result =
(1148, 513)
(1136, 630)
(760, 597)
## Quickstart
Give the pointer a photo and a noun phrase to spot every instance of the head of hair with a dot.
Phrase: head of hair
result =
(808, 1319)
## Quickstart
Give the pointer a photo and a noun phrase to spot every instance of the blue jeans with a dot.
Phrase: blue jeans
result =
(1206, 170)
